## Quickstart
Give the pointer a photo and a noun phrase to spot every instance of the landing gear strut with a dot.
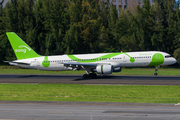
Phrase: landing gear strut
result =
(155, 74)
(90, 75)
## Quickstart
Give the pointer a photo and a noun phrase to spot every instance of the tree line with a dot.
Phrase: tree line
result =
(55, 27)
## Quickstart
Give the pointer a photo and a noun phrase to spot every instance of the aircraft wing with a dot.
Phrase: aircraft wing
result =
(78, 65)
(81, 64)
(84, 64)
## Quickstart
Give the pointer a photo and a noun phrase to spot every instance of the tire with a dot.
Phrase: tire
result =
(155, 74)
(95, 75)
(92, 75)
(85, 76)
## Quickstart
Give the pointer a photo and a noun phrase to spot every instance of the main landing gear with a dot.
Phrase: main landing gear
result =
(155, 74)
(90, 75)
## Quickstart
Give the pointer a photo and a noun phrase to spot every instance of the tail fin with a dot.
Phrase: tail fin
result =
(21, 49)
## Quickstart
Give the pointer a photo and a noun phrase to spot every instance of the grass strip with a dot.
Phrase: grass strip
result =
(125, 71)
(90, 93)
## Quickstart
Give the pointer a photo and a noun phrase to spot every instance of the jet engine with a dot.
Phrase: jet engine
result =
(104, 69)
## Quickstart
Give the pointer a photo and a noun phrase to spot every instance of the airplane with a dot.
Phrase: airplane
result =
(93, 64)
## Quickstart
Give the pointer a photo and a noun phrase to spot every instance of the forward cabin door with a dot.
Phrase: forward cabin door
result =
(124, 58)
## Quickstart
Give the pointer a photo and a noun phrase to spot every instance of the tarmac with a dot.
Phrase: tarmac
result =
(46, 110)
(78, 79)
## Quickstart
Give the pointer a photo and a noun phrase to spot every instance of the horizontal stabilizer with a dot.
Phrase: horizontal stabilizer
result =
(6, 61)
(12, 63)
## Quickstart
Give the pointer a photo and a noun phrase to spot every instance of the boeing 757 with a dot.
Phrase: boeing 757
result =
(93, 64)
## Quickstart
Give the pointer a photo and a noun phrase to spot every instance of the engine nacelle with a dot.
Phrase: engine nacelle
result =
(104, 69)
(117, 69)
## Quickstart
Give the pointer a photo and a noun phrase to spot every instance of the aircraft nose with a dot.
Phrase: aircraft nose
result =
(174, 60)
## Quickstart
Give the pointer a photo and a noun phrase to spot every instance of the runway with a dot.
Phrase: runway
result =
(48, 111)
(78, 79)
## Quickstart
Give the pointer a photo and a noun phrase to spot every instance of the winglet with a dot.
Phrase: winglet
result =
(21, 49)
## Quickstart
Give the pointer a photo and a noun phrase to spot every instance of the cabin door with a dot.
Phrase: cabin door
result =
(38, 63)
(124, 58)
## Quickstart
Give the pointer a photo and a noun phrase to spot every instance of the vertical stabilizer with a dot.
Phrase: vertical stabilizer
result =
(21, 49)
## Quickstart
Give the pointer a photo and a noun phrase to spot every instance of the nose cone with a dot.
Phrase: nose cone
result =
(174, 61)
(169, 61)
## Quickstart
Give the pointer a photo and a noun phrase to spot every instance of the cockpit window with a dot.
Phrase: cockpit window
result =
(168, 56)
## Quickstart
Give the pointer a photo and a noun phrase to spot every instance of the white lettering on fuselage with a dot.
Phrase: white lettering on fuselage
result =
(145, 54)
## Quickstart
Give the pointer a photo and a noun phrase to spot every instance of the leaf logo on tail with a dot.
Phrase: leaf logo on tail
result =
(22, 50)
(25, 47)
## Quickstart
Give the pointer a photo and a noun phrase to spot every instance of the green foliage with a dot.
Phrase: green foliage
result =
(177, 55)
(86, 26)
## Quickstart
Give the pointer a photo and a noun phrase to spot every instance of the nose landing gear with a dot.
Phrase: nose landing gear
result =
(155, 74)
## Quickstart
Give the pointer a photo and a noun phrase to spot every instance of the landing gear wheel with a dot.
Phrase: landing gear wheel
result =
(92, 75)
(85, 76)
(95, 75)
(155, 74)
